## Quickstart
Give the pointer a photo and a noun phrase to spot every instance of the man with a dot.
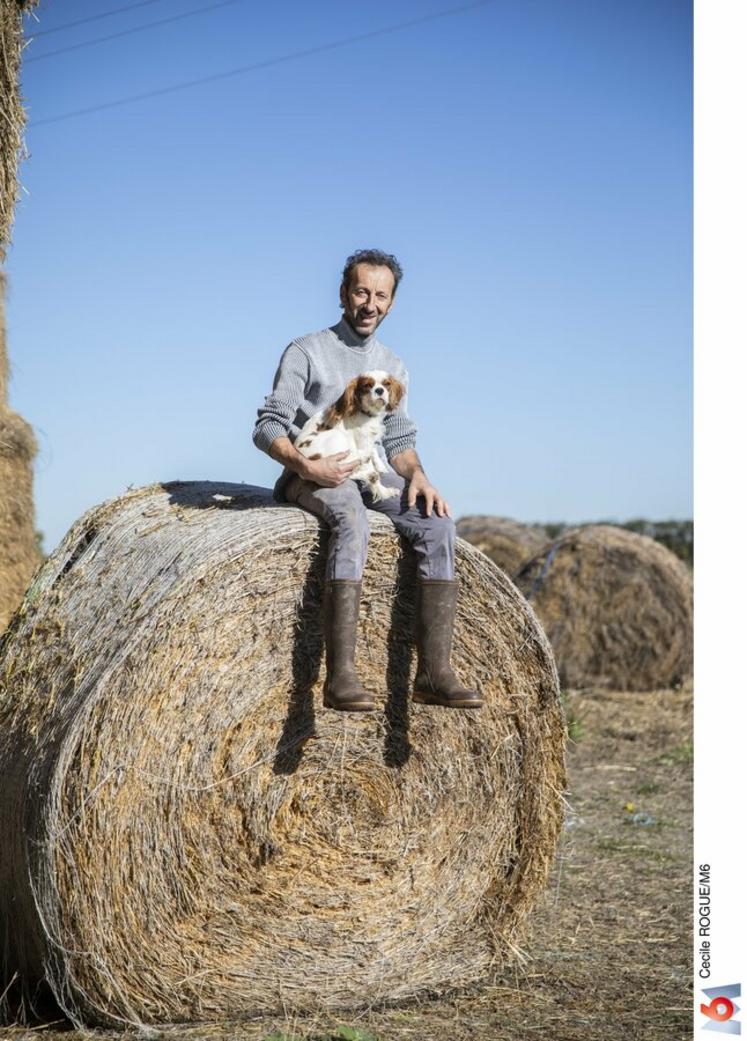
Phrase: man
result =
(313, 372)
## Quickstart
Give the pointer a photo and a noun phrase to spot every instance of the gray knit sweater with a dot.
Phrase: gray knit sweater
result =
(313, 372)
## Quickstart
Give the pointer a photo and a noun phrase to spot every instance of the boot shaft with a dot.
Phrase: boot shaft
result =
(436, 683)
(435, 612)
(342, 687)
(342, 599)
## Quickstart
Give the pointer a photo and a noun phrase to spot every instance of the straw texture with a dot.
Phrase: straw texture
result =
(11, 110)
(19, 553)
(4, 362)
(616, 606)
(188, 834)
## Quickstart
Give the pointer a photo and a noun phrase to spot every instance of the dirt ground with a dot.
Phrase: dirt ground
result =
(608, 952)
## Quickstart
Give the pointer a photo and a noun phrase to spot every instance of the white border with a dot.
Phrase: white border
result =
(720, 471)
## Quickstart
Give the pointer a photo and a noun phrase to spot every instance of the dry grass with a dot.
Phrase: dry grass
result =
(609, 946)
(188, 836)
(617, 608)
(508, 543)
(11, 110)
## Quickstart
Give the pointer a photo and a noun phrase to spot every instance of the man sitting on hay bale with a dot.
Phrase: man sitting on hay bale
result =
(314, 371)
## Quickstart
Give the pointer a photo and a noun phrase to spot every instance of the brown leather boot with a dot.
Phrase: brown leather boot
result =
(342, 688)
(435, 680)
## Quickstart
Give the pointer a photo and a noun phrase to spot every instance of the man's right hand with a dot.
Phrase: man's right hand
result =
(329, 471)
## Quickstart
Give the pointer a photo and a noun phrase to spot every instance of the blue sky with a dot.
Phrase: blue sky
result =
(529, 162)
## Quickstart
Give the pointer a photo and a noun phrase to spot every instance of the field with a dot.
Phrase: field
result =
(608, 955)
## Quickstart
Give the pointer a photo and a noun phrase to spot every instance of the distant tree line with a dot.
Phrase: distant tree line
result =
(676, 535)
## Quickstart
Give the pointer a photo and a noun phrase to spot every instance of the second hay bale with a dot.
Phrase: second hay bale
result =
(616, 606)
(19, 552)
(507, 542)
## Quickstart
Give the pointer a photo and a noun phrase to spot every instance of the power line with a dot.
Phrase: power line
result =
(94, 17)
(129, 32)
(242, 70)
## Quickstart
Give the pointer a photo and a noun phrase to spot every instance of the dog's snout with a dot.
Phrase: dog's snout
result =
(379, 391)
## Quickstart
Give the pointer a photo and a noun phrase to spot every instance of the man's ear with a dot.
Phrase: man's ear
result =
(342, 296)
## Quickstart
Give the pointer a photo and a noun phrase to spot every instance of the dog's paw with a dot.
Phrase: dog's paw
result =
(377, 492)
(388, 493)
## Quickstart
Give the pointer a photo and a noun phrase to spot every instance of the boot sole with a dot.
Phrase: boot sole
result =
(352, 706)
(433, 699)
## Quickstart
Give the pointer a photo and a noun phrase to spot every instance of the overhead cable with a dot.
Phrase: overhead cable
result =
(94, 18)
(256, 66)
(128, 32)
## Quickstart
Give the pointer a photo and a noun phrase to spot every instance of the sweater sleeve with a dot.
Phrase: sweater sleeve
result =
(399, 428)
(277, 416)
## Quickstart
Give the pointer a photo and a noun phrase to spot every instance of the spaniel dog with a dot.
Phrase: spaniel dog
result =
(354, 424)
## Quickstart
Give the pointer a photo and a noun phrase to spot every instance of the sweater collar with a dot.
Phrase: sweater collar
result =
(345, 332)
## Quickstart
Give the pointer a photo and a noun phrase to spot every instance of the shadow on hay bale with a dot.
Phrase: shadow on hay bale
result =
(507, 542)
(616, 606)
(188, 835)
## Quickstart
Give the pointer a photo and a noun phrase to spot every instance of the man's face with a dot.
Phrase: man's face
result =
(368, 297)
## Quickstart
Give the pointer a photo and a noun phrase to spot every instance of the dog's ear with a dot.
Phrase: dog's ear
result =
(344, 406)
(396, 393)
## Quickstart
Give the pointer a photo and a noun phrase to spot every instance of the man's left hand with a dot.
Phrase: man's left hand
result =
(420, 485)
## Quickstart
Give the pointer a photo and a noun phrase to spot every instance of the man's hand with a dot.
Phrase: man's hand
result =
(420, 485)
(329, 471)
(407, 464)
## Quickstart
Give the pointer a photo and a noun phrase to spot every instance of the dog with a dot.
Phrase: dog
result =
(354, 424)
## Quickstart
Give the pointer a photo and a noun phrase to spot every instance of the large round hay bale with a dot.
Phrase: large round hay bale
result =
(507, 542)
(19, 551)
(616, 606)
(187, 834)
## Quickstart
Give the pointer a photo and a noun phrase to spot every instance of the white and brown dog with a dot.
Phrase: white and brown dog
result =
(354, 424)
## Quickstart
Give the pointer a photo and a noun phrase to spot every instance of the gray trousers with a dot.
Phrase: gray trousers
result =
(344, 510)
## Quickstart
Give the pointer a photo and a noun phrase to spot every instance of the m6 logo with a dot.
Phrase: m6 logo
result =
(721, 1008)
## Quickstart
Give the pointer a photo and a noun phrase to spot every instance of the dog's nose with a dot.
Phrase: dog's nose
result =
(379, 391)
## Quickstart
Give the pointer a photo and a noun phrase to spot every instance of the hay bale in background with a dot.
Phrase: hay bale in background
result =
(19, 551)
(4, 363)
(508, 543)
(187, 834)
(12, 116)
(616, 606)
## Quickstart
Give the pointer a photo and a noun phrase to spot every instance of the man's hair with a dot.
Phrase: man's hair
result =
(372, 256)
